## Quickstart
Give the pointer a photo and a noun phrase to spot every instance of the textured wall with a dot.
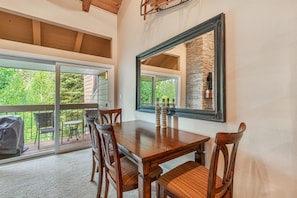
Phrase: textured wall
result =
(200, 61)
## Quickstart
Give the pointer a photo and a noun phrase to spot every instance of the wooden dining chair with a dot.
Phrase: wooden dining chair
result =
(122, 173)
(89, 116)
(192, 180)
(97, 159)
(110, 116)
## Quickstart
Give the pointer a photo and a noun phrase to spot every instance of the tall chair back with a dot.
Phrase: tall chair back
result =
(110, 116)
(97, 158)
(89, 116)
(222, 140)
(121, 172)
(191, 179)
(112, 163)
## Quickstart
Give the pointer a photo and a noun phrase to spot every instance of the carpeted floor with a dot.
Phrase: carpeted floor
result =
(57, 176)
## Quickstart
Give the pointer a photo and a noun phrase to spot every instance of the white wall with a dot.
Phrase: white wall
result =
(261, 65)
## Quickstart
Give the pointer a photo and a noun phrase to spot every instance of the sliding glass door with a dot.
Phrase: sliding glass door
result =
(66, 91)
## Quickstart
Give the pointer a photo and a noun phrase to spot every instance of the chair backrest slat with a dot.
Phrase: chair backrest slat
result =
(95, 138)
(110, 116)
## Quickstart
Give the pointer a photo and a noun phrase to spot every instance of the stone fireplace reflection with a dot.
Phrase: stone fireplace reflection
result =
(200, 62)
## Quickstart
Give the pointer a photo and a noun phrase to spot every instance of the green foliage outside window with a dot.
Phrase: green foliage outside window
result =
(72, 88)
(33, 87)
(164, 88)
(146, 93)
(21, 87)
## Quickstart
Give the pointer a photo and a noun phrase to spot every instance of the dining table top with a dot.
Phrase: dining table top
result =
(145, 141)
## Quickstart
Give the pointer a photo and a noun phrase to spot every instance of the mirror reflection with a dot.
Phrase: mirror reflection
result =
(182, 73)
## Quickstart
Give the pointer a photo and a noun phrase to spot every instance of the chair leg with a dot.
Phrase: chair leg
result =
(106, 187)
(62, 134)
(157, 188)
(36, 136)
(164, 195)
(100, 179)
(161, 192)
(38, 141)
(93, 167)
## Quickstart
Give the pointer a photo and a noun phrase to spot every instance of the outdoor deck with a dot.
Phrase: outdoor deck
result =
(31, 149)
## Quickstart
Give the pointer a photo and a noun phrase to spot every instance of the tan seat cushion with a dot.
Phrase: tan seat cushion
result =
(189, 180)
(130, 173)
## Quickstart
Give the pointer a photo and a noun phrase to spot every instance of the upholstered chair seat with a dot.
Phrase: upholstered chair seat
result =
(177, 181)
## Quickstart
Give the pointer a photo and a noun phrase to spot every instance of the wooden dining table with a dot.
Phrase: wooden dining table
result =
(149, 146)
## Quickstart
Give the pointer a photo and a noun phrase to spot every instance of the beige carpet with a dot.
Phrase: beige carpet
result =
(57, 176)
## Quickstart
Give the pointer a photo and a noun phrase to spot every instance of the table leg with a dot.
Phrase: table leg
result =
(144, 182)
(199, 154)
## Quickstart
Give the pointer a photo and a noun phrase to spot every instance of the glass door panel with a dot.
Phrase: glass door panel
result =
(80, 90)
(26, 88)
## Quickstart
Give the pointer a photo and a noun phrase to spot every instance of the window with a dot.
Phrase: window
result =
(156, 86)
(26, 83)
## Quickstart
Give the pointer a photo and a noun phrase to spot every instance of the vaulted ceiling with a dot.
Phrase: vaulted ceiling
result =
(112, 6)
(32, 31)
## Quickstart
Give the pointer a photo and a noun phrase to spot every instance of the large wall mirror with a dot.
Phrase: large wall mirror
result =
(187, 72)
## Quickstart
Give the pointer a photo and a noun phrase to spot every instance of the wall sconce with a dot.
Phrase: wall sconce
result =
(208, 92)
(106, 75)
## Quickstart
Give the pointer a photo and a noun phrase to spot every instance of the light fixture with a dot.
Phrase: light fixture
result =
(106, 75)
(153, 6)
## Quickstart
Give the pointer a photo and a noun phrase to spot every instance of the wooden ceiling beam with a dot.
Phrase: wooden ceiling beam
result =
(78, 41)
(86, 5)
(36, 32)
(109, 5)
(112, 6)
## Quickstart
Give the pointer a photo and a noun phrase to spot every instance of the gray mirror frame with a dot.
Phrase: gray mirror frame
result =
(217, 24)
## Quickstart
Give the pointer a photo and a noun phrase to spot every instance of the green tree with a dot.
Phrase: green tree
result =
(71, 88)
(165, 89)
(20, 86)
(41, 88)
(6, 75)
(12, 87)
(146, 93)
